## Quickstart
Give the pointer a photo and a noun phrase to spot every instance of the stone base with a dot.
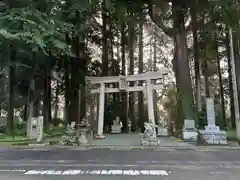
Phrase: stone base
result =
(162, 131)
(190, 135)
(99, 137)
(150, 142)
(116, 129)
(215, 138)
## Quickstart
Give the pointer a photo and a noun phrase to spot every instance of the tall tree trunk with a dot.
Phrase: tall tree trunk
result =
(131, 101)
(236, 47)
(155, 69)
(231, 96)
(47, 112)
(74, 97)
(25, 112)
(196, 58)
(83, 72)
(67, 87)
(105, 41)
(30, 107)
(36, 112)
(66, 91)
(223, 113)
(179, 113)
(140, 70)
(56, 103)
(123, 73)
(105, 49)
(184, 86)
(11, 82)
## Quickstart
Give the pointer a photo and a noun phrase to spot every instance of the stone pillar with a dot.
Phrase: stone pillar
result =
(210, 112)
(101, 109)
(40, 129)
(150, 102)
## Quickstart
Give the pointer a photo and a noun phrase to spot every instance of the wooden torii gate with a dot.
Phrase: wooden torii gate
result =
(123, 86)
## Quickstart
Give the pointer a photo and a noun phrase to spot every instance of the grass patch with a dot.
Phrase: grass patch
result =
(231, 133)
(14, 139)
(55, 132)
(20, 143)
(51, 143)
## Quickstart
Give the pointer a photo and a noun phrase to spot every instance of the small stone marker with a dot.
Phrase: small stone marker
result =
(189, 124)
(33, 128)
(189, 130)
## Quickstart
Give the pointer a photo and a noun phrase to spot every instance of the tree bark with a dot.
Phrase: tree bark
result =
(83, 72)
(105, 41)
(67, 87)
(196, 58)
(47, 97)
(11, 82)
(131, 101)
(155, 69)
(231, 96)
(140, 70)
(223, 113)
(66, 91)
(56, 103)
(124, 103)
(184, 86)
(74, 81)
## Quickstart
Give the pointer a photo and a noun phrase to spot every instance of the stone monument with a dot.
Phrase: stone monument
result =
(40, 129)
(117, 126)
(149, 137)
(190, 133)
(212, 133)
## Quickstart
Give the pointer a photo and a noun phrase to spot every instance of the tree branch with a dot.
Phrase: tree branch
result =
(158, 20)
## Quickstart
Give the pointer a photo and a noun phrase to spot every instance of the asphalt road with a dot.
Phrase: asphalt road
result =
(113, 165)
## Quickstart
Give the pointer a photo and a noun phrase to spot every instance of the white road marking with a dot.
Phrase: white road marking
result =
(71, 172)
(96, 172)
(48, 172)
(158, 172)
(12, 170)
(99, 172)
(32, 172)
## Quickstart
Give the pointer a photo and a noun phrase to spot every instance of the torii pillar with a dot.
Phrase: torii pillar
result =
(101, 109)
(150, 105)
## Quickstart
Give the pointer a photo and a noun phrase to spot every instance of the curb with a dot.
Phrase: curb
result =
(124, 148)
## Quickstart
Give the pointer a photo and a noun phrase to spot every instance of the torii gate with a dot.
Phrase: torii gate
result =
(123, 87)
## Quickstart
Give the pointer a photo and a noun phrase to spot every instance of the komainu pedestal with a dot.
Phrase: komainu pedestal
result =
(190, 133)
(70, 135)
(213, 135)
(116, 128)
(149, 137)
(82, 131)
